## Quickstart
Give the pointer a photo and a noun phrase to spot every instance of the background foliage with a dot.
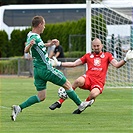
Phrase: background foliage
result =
(61, 31)
(3, 43)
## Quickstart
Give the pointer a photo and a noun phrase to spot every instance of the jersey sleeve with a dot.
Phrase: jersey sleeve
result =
(59, 49)
(84, 58)
(111, 57)
(31, 38)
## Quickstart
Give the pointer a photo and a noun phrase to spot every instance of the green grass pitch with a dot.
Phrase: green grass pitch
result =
(111, 113)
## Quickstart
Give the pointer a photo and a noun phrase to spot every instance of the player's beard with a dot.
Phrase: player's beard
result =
(97, 51)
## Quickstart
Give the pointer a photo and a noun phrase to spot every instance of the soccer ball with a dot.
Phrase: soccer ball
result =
(62, 93)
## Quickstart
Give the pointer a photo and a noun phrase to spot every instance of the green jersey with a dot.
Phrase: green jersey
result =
(43, 70)
(38, 51)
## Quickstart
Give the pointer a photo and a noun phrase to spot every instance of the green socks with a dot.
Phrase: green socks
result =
(72, 95)
(35, 99)
(30, 101)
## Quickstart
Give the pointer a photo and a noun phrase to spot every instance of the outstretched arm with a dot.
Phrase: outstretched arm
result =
(72, 64)
(117, 64)
(27, 48)
(53, 42)
(129, 56)
(55, 62)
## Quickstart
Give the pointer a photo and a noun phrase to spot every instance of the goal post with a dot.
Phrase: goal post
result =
(88, 26)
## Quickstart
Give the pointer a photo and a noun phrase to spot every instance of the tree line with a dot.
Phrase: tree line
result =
(61, 31)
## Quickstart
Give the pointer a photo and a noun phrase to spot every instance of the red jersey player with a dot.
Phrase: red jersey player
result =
(94, 78)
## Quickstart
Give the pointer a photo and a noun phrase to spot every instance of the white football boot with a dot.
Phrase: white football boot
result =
(15, 111)
(83, 106)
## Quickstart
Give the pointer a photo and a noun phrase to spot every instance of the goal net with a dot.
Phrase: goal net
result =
(113, 25)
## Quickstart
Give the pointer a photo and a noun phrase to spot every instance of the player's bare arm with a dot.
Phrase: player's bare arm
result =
(117, 64)
(129, 56)
(27, 48)
(57, 54)
(53, 42)
(55, 62)
(72, 64)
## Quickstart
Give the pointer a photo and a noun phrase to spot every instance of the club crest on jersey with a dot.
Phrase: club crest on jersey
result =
(97, 62)
(102, 55)
(91, 56)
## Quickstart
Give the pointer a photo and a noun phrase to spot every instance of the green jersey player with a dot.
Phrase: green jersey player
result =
(43, 70)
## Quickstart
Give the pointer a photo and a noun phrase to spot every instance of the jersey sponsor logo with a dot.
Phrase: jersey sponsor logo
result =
(41, 43)
(96, 69)
(44, 49)
(97, 62)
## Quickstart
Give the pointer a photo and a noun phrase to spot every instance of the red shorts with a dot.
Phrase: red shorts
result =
(91, 83)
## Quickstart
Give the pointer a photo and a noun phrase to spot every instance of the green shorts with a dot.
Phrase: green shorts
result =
(42, 75)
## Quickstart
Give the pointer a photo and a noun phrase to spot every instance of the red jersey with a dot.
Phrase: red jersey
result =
(97, 65)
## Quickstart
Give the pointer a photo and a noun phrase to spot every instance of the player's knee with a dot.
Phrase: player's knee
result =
(67, 85)
(95, 92)
(79, 83)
